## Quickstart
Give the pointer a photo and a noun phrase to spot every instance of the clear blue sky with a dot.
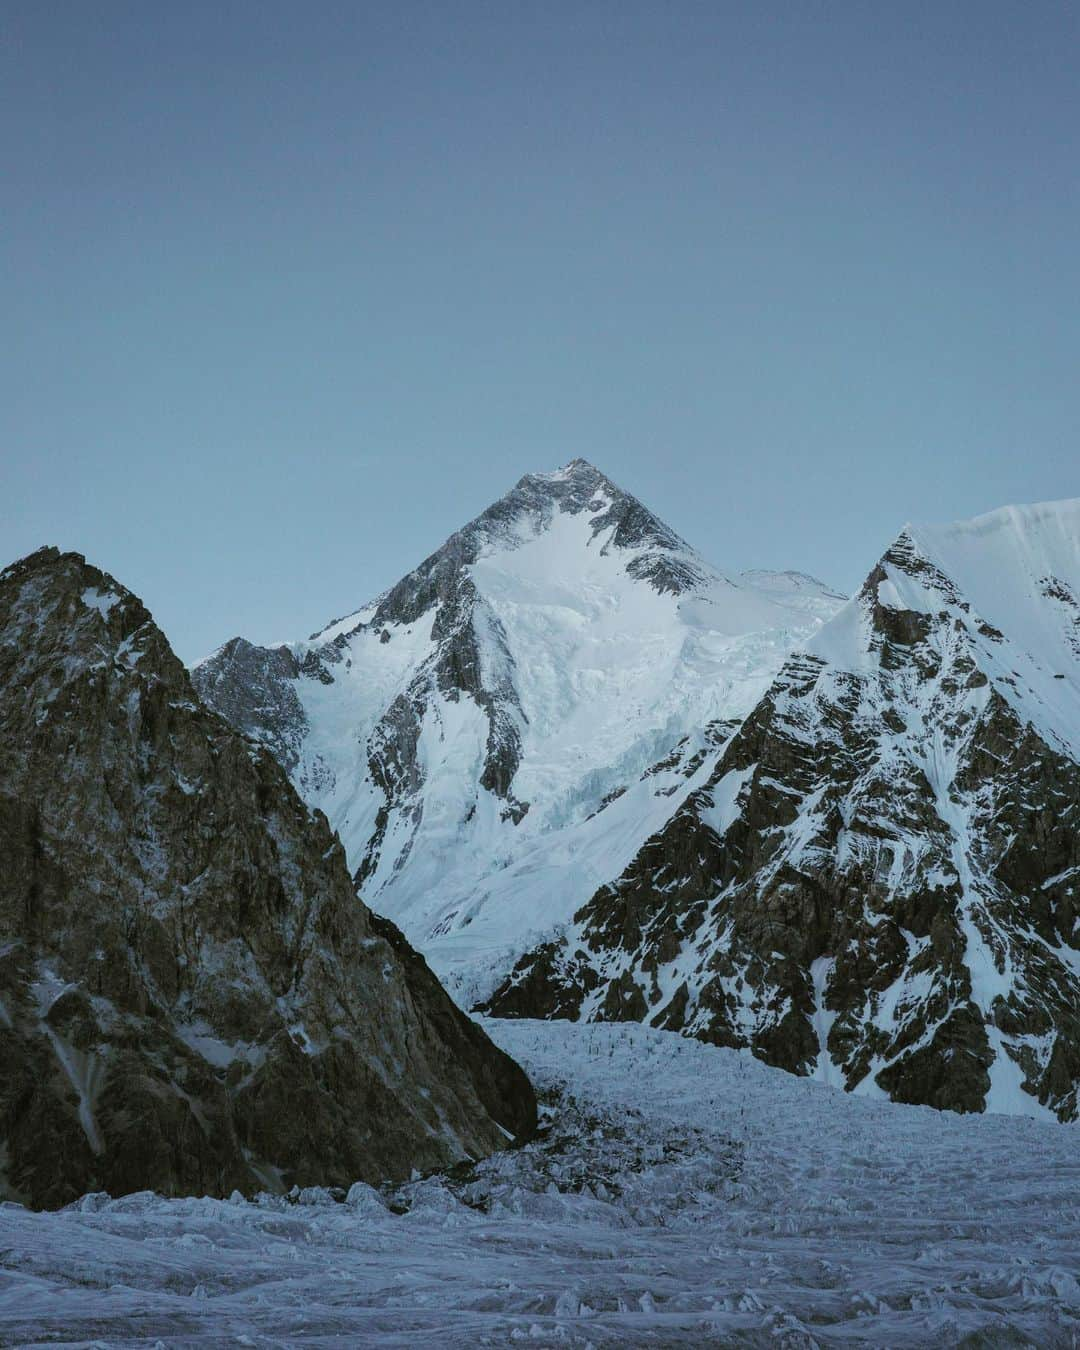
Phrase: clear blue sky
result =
(289, 291)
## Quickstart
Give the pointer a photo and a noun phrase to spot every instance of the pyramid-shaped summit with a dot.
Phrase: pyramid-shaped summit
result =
(536, 503)
(482, 733)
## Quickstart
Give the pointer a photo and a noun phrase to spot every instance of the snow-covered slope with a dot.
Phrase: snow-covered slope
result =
(484, 735)
(878, 880)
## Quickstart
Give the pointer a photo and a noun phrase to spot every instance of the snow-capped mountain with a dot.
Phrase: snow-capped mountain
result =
(497, 735)
(876, 879)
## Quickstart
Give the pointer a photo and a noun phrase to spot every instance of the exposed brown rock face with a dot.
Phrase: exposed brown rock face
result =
(192, 999)
(880, 882)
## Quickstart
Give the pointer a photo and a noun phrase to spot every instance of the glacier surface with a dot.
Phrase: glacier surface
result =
(680, 1194)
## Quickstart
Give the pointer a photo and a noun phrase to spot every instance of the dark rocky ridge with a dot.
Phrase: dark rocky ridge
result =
(191, 997)
(882, 872)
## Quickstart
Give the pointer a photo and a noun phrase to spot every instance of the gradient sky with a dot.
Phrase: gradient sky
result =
(290, 291)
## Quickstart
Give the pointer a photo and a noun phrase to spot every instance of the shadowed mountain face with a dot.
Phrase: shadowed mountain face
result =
(878, 881)
(191, 997)
(484, 734)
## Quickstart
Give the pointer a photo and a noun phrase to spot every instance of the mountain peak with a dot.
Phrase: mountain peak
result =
(580, 486)
(574, 467)
(504, 694)
(578, 471)
(573, 484)
(62, 593)
(1010, 579)
(527, 511)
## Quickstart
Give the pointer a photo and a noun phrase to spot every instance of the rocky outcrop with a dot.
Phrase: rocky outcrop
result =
(879, 884)
(255, 689)
(192, 999)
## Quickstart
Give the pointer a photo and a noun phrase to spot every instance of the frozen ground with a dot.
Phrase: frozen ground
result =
(681, 1195)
